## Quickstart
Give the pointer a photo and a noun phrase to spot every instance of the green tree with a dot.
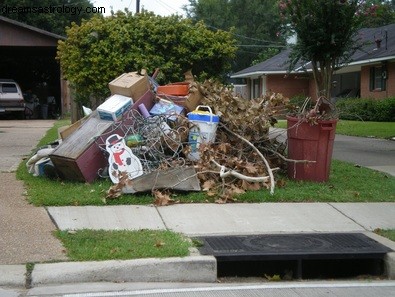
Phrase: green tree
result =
(383, 12)
(326, 35)
(102, 48)
(38, 13)
(256, 25)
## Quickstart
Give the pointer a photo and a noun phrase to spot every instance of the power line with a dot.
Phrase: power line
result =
(243, 36)
(165, 5)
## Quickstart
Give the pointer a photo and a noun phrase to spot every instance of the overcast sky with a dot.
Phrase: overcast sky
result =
(161, 7)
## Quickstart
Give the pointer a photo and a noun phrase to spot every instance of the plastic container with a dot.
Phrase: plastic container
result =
(313, 143)
(204, 130)
(175, 89)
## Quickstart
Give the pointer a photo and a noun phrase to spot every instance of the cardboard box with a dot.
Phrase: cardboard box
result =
(114, 107)
(130, 84)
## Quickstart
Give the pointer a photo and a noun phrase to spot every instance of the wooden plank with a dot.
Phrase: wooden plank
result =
(181, 179)
(74, 145)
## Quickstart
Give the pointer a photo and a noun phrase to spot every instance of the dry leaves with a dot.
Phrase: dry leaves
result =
(162, 198)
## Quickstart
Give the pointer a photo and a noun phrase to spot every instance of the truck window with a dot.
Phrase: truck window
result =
(9, 88)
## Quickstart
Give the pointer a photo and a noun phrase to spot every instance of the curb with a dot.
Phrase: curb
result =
(389, 259)
(13, 275)
(188, 269)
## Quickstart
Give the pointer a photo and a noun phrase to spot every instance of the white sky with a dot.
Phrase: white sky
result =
(160, 7)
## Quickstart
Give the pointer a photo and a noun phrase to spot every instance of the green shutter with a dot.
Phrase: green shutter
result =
(371, 79)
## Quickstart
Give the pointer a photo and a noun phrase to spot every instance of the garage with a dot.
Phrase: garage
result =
(27, 55)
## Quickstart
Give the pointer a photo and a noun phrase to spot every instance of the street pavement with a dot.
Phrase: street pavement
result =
(189, 219)
(355, 288)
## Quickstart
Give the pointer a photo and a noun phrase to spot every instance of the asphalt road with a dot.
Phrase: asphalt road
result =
(378, 154)
(267, 289)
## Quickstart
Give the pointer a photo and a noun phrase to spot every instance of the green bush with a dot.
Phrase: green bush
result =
(102, 48)
(377, 110)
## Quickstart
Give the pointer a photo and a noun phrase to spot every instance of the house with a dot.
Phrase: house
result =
(370, 74)
(28, 56)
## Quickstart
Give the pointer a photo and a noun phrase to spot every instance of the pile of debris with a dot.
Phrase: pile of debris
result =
(182, 136)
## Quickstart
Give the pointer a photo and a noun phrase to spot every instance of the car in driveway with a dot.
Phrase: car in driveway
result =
(11, 97)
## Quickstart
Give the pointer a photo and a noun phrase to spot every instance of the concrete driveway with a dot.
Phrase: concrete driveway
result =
(18, 139)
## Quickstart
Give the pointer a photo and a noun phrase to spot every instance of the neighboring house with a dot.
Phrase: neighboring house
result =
(370, 74)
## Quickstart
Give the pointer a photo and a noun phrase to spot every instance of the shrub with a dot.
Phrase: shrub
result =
(102, 48)
(377, 110)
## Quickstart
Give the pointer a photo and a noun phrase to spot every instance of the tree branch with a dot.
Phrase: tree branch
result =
(272, 184)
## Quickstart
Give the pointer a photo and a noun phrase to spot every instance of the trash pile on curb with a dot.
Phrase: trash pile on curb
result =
(184, 136)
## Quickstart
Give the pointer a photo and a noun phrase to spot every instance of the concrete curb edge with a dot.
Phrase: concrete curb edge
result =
(186, 269)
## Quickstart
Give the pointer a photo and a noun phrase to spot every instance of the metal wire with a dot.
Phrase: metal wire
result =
(160, 139)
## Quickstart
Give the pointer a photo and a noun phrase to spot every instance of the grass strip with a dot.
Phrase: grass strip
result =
(388, 233)
(100, 245)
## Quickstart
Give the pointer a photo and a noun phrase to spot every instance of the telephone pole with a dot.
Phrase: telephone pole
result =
(137, 6)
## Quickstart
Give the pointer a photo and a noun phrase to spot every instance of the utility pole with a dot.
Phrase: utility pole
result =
(137, 6)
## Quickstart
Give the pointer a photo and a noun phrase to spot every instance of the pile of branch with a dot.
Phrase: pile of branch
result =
(243, 156)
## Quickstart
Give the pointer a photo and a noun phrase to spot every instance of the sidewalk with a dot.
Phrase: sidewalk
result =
(230, 219)
(193, 220)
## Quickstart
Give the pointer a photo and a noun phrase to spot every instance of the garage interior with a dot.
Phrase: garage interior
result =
(28, 57)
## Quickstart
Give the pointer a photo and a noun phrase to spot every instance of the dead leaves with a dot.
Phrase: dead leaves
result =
(162, 198)
(249, 118)
(234, 157)
(115, 191)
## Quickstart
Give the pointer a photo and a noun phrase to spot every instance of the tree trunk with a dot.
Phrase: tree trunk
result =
(323, 72)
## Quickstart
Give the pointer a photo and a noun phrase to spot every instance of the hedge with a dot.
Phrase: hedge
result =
(377, 110)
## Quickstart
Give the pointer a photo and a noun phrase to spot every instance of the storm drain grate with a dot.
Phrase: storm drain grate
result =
(292, 247)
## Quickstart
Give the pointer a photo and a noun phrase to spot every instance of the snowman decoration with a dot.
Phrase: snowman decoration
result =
(121, 159)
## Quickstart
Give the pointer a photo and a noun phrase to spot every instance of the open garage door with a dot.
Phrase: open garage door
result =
(27, 55)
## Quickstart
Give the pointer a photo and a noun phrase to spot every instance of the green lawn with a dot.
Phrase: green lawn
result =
(347, 183)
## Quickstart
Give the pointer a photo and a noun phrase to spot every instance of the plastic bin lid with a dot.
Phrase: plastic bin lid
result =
(203, 117)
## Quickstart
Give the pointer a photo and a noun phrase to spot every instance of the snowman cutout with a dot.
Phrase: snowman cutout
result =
(121, 159)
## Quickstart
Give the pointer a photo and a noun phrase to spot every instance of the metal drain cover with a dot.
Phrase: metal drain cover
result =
(292, 246)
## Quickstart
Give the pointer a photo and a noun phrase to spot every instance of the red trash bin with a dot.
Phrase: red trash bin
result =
(313, 143)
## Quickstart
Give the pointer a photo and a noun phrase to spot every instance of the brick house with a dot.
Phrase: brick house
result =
(370, 74)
